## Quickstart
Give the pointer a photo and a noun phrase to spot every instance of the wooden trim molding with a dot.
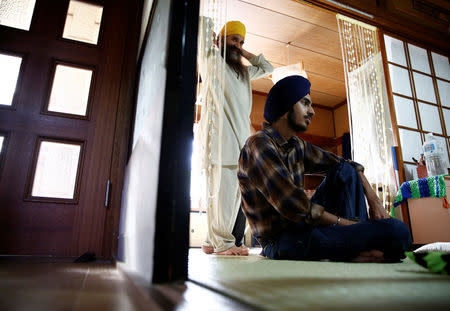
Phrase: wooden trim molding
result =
(388, 16)
(321, 140)
(314, 105)
(318, 140)
(259, 93)
(323, 107)
(343, 103)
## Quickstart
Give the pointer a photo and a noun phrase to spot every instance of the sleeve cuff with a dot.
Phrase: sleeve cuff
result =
(256, 60)
(315, 214)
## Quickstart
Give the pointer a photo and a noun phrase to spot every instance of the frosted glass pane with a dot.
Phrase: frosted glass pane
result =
(410, 172)
(441, 66)
(83, 22)
(395, 51)
(404, 111)
(16, 13)
(442, 140)
(446, 113)
(70, 90)
(424, 87)
(419, 58)
(448, 158)
(411, 144)
(444, 92)
(9, 73)
(429, 115)
(400, 80)
(56, 170)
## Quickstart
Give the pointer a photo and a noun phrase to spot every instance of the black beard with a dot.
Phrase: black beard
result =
(234, 60)
(297, 128)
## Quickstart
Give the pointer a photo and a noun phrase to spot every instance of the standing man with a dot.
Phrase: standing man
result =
(231, 95)
(334, 224)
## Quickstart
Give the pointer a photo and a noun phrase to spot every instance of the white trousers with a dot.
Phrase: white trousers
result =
(221, 215)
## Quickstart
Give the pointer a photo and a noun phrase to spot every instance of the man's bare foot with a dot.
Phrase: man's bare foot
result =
(207, 249)
(369, 256)
(235, 251)
(244, 249)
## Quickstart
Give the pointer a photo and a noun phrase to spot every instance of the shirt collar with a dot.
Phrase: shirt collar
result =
(279, 140)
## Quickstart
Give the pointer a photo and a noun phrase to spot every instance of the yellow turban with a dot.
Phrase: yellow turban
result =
(233, 28)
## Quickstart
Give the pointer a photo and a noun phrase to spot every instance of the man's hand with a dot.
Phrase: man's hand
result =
(247, 54)
(215, 39)
(376, 209)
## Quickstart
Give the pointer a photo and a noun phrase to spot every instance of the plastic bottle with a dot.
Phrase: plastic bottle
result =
(433, 152)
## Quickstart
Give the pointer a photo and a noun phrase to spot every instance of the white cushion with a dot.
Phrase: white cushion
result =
(434, 247)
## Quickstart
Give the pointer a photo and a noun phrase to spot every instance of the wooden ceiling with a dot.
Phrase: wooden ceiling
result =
(313, 36)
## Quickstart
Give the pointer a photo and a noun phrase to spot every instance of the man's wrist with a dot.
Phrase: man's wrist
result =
(337, 221)
(247, 54)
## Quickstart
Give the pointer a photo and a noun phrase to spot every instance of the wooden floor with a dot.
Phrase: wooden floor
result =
(94, 286)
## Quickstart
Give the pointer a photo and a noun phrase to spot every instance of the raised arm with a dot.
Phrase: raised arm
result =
(246, 54)
(260, 66)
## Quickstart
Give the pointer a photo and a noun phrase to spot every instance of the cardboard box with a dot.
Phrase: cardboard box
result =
(430, 221)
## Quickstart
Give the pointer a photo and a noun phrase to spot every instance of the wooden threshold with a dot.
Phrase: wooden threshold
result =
(191, 295)
(185, 295)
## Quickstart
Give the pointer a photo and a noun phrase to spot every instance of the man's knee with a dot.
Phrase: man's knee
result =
(347, 172)
(396, 229)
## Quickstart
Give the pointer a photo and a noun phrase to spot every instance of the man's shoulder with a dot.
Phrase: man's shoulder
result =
(301, 141)
(260, 137)
(257, 147)
(261, 142)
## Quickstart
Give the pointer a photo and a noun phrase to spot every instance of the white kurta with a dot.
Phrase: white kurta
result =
(231, 99)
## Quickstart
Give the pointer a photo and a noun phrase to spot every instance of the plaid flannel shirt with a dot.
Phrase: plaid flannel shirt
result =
(271, 178)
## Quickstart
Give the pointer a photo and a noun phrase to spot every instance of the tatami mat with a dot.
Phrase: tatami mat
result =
(294, 285)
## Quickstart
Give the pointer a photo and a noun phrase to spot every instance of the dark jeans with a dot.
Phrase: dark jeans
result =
(239, 228)
(341, 193)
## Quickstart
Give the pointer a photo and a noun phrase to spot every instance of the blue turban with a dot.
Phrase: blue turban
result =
(283, 95)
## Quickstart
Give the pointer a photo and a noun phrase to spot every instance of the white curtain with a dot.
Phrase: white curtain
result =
(207, 132)
(370, 122)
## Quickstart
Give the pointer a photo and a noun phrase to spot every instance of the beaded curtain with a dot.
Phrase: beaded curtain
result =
(209, 112)
(369, 118)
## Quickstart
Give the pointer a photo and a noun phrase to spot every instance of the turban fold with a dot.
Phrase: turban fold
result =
(283, 95)
(233, 28)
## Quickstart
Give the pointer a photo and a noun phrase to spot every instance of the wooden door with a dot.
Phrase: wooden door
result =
(57, 123)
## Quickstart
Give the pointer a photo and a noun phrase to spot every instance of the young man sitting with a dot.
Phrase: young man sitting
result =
(334, 224)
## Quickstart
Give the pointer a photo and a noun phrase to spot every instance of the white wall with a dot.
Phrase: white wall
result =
(146, 10)
(137, 220)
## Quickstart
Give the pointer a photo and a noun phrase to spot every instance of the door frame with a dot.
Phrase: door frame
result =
(171, 245)
(122, 132)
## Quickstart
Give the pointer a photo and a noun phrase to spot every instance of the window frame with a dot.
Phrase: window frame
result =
(413, 98)
(32, 171)
(19, 81)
